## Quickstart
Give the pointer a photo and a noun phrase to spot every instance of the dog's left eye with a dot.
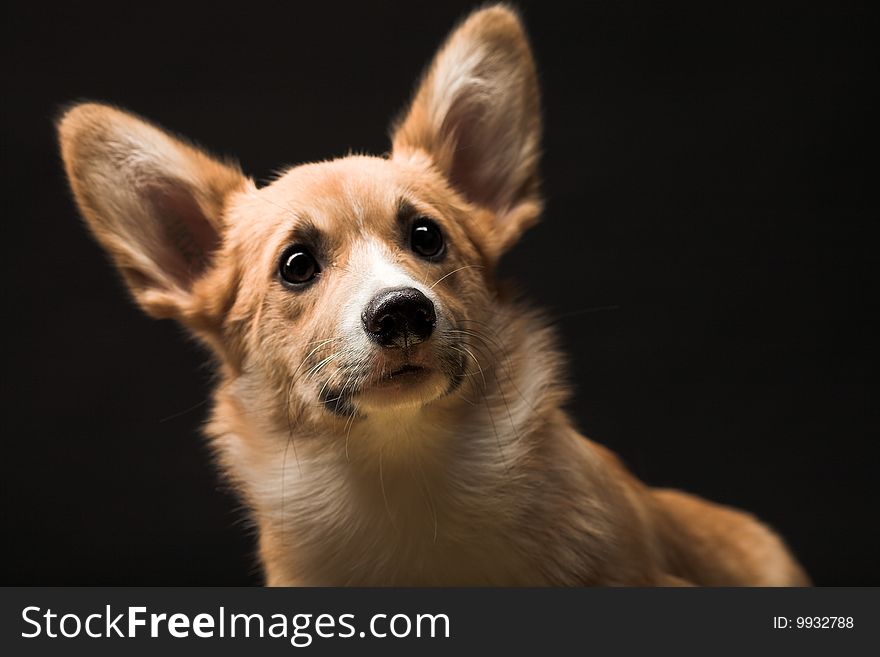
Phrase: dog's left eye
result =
(297, 266)
(426, 238)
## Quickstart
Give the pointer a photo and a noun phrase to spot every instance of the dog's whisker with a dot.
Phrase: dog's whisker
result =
(277, 205)
(178, 414)
(504, 361)
(513, 424)
(477, 363)
(384, 494)
(309, 355)
(287, 445)
(343, 390)
(467, 371)
(345, 386)
(442, 278)
(458, 394)
(495, 431)
(324, 341)
(321, 365)
(349, 425)
(427, 490)
(284, 489)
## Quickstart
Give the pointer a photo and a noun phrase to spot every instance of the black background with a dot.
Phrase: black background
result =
(704, 251)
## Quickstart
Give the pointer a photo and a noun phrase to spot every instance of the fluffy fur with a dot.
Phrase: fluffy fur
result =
(468, 474)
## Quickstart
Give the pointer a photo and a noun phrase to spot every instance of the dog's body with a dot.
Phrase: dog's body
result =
(390, 415)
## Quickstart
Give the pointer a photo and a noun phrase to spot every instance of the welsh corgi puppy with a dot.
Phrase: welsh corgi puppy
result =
(388, 412)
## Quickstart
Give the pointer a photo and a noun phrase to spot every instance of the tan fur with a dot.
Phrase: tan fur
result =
(484, 484)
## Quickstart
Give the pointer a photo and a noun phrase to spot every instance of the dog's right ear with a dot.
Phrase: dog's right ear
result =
(153, 201)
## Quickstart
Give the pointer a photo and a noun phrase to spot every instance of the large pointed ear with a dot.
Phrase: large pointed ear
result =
(154, 202)
(476, 114)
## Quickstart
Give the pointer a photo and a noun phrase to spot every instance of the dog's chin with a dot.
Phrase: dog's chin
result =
(409, 386)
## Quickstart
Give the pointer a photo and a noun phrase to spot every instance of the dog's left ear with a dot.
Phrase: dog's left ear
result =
(476, 114)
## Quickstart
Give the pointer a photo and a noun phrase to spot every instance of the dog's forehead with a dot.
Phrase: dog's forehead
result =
(356, 192)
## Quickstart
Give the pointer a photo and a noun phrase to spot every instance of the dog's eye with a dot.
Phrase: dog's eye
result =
(426, 238)
(297, 265)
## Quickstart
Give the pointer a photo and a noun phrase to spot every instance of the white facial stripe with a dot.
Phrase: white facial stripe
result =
(375, 271)
(381, 272)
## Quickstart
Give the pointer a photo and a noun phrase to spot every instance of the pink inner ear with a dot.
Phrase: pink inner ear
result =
(188, 237)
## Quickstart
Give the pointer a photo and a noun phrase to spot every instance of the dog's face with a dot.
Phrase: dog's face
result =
(370, 274)
(354, 285)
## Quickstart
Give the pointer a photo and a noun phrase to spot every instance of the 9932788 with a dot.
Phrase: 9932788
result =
(813, 623)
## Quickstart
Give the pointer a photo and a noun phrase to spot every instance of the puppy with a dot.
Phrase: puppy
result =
(388, 413)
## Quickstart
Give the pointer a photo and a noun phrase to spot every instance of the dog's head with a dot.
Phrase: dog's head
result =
(352, 284)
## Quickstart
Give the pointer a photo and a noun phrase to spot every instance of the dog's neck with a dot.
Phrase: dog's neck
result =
(439, 480)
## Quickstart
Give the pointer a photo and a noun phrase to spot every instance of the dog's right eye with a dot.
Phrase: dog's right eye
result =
(426, 239)
(297, 266)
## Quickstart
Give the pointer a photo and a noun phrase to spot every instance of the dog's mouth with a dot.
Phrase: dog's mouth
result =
(401, 379)
(408, 372)
(415, 379)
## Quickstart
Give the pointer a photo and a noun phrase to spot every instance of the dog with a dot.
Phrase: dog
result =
(388, 411)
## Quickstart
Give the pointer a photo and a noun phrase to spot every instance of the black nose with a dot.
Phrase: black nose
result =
(399, 317)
